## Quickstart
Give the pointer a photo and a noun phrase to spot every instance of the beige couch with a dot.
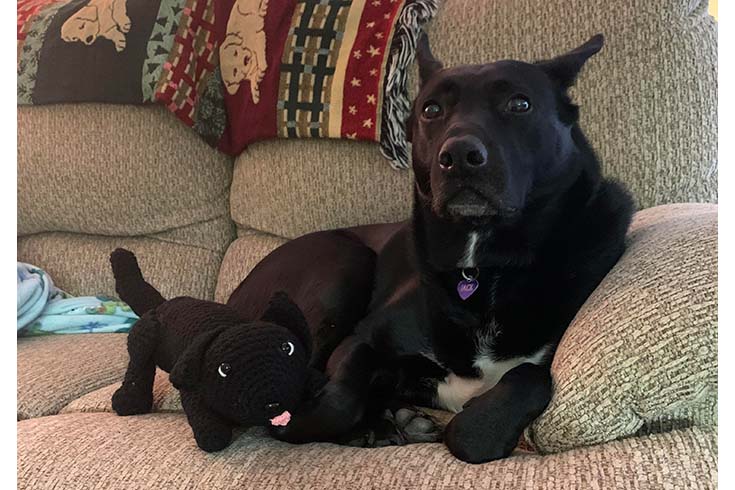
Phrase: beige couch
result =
(635, 376)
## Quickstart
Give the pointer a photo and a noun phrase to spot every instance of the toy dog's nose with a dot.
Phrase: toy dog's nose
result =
(273, 408)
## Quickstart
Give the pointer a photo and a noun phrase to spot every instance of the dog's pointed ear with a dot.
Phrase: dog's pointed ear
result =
(409, 123)
(428, 65)
(187, 372)
(565, 68)
(284, 312)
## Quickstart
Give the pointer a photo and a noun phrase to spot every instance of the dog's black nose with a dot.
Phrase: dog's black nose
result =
(90, 39)
(464, 151)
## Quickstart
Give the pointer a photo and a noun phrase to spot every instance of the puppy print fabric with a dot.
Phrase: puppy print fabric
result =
(103, 18)
(236, 71)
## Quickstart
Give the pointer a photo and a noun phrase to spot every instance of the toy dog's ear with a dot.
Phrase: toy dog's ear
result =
(284, 312)
(187, 372)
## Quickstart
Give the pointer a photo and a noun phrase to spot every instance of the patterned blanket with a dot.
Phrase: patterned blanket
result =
(44, 309)
(236, 71)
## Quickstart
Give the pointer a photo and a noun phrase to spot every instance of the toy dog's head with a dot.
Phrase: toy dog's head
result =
(250, 373)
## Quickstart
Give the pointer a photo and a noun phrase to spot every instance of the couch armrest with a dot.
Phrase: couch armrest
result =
(641, 354)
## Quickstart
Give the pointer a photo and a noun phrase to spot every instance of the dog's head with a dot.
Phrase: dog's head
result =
(488, 139)
(82, 26)
(250, 372)
(235, 62)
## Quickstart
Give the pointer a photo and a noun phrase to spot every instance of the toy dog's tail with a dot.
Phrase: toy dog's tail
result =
(130, 285)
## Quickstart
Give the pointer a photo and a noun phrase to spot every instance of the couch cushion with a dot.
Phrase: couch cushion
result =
(641, 355)
(106, 451)
(295, 187)
(54, 370)
(80, 264)
(166, 398)
(242, 255)
(117, 170)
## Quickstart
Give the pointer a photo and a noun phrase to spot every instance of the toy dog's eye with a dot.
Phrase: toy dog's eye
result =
(224, 369)
(288, 348)
(518, 104)
(431, 110)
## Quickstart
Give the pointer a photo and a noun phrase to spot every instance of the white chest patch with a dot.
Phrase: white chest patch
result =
(468, 259)
(455, 391)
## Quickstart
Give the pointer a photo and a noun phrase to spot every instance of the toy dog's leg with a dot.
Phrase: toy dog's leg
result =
(341, 403)
(135, 396)
(211, 432)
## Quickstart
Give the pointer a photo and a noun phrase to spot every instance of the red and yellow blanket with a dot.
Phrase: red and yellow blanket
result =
(236, 71)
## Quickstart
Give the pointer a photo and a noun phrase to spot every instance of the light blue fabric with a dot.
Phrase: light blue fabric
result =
(35, 290)
(45, 309)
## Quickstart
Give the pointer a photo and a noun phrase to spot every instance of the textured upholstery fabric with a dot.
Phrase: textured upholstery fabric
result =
(649, 107)
(296, 187)
(641, 355)
(158, 451)
(80, 264)
(115, 170)
(54, 370)
(243, 254)
(166, 398)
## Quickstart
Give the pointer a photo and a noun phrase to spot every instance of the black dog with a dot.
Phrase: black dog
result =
(513, 227)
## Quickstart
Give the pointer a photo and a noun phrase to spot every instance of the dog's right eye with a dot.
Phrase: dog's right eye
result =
(518, 104)
(288, 348)
(224, 369)
(431, 110)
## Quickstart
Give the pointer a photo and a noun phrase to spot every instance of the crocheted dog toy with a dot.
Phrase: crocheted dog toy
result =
(230, 372)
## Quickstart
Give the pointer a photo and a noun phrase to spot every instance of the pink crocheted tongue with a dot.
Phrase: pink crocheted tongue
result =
(282, 419)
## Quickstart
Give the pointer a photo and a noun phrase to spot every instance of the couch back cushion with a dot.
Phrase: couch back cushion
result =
(120, 171)
(95, 177)
(289, 188)
(648, 102)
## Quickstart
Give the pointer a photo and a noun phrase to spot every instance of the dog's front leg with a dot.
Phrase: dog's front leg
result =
(490, 424)
(210, 431)
(340, 404)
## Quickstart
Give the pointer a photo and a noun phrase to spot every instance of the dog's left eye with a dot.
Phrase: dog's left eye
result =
(288, 348)
(518, 104)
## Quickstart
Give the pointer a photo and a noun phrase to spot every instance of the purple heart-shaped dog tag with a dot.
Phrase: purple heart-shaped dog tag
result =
(467, 288)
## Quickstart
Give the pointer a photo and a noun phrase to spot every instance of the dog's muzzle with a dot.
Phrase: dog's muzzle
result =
(468, 203)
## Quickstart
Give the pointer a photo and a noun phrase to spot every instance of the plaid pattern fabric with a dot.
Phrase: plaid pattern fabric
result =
(192, 59)
(308, 66)
(333, 67)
